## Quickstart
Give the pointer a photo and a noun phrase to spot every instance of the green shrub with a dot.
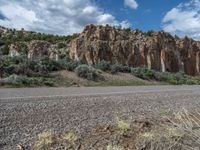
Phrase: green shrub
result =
(192, 81)
(143, 73)
(171, 78)
(5, 49)
(126, 69)
(62, 45)
(14, 79)
(149, 33)
(20, 80)
(116, 68)
(120, 68)
(87, 72)
(160, 76)
(50, 64)
(103, 65)
(128, 30)
(71, 66)
(49, 83)
(24, 66)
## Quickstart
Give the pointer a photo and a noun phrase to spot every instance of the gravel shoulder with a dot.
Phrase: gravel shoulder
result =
(24, 113)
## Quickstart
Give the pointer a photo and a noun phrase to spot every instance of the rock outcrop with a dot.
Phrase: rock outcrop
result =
(158, 50)
(32, 44)
(42, 48)
(14, 50)
(37, 49)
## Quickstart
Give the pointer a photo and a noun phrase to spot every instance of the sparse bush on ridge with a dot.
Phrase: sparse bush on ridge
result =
(21, 36)
(149, 33)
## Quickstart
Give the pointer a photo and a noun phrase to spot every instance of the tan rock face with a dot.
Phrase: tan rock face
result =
(42, 48)
(160, 51)
(38, 49)
(14, 50)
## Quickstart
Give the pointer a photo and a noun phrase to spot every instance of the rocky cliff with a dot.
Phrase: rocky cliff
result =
(156, 50)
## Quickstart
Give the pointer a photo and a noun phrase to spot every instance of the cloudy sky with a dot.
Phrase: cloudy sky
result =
(181, 17)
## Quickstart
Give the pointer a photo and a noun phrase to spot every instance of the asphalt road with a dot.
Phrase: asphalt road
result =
(26, 112)
(49, 93)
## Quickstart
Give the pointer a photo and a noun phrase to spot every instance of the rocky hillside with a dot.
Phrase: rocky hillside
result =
(32, 44)
(154, 50)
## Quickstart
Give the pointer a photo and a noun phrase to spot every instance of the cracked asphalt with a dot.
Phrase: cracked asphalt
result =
(26, 112)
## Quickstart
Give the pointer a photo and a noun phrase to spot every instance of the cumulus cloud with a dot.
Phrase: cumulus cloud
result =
(54, 16)
(131, 3)
(184, 20)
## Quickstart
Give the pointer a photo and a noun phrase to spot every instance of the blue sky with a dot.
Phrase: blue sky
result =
(148, 15)
(181, 17)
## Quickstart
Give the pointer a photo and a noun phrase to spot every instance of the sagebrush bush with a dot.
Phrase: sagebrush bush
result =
(87, 72)
(103, 65)
(24, 66)
(160, 76)
(119, 68)
(15, 80)
(116, 68)
(171, 78)
(143, 73)
(20, 80)
(71, 65)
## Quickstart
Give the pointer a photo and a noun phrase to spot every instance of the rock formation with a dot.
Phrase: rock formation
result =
(33, 44)
(158, 50)
(42, 48)
(14, 50)
(36, 49)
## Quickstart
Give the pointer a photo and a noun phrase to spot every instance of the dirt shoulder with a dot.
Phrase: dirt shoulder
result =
(68, 78)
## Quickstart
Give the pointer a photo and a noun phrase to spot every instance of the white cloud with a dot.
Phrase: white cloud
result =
(19, 16)
(54, 16)
(184, 20)
(131, 3)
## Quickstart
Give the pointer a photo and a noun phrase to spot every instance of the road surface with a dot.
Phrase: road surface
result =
(26, 112)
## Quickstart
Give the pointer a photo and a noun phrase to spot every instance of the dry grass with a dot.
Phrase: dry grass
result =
(179, 132)
(114, 147)
(70, 137)
(45, 140)
(123, 126)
